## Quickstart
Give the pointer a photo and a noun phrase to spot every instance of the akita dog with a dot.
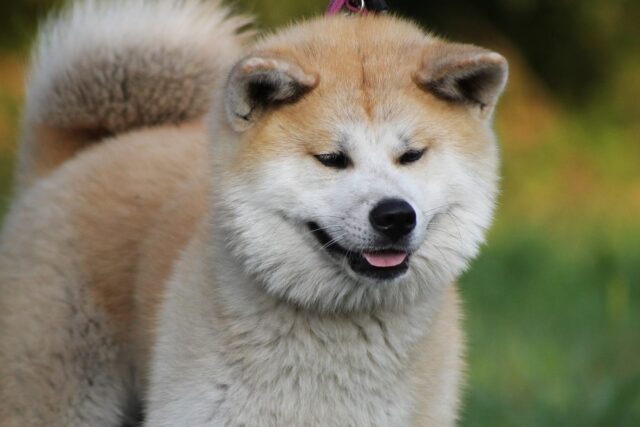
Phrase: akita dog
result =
(214, 231)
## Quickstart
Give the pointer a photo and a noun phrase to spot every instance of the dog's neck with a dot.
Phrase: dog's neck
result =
(237, 354)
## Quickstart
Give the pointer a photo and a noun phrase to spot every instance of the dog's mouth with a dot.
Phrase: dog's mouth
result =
(377, 263)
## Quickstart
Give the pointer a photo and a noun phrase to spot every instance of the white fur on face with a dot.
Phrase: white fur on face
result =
(266, 211)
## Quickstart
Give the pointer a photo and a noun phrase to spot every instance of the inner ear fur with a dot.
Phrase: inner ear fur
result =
(463, 73)
(260, 82)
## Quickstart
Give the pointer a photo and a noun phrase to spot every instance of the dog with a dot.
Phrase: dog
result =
(212, 229)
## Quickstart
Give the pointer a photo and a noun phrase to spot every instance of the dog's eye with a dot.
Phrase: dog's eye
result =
(337, 160)
(411, 156)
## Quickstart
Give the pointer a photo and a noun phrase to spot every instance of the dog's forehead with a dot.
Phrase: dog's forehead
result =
(369, 137)
(376, 50)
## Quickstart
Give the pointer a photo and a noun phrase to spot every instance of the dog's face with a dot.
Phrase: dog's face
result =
(365, 170)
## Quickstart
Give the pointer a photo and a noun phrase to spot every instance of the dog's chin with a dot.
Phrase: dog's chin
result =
(378, 264)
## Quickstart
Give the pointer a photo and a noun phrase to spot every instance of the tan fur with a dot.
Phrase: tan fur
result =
(146, 194)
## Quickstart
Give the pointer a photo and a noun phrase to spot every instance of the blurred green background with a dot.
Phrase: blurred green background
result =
(553, 302)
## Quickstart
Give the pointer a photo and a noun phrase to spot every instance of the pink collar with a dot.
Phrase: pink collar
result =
(357, 6)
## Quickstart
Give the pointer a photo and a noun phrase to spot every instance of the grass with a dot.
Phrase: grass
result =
(553, 330)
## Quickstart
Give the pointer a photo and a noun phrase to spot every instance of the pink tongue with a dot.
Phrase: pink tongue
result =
(385, 260)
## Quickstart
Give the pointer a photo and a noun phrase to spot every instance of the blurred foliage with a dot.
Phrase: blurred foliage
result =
(18, 21)
(574, 46)
(553, 303)
(553, 330)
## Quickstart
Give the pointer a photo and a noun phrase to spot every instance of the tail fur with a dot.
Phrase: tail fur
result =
(104, 67)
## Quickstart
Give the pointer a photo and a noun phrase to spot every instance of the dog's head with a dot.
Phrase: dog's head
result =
(363, 168)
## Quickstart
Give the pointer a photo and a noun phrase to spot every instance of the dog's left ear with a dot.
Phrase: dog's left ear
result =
(464, 74)
(260, 82)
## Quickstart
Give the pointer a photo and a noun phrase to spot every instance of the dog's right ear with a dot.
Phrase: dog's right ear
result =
(258, 83)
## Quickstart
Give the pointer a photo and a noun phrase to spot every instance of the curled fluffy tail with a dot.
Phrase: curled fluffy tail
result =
(105, 67)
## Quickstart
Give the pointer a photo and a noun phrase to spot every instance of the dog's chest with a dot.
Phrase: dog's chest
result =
(310, 372)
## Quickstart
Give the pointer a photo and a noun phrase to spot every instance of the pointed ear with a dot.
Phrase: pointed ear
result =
(464, 74)
(258, 83)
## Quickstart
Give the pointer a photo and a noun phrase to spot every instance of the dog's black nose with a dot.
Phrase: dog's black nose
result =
(394, 218)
